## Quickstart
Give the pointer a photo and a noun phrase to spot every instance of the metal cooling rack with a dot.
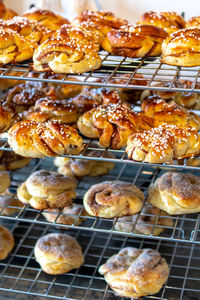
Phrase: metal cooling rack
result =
(120, 156)
(114, 66)
(186, 228)
(21, 275)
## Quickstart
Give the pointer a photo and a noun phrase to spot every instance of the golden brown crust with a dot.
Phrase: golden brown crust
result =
(176, 193)
(163, 144)
(112, 199)
(193, 22)
(112, 123)
(46, 18)
(5, 119)
(29, 29)
(188, 100)
(67, 216)
(63, 91)
(145, 222)
(82, 167)
(14, 48)
(63, 54)
(47, 109)
(93, 97)
(169, 21)
(135, 41)
(6, 242)
(181, 48)
(44, 189)
(135, 273)
(169, 113)
(44, 139)
(23, 96)
(104, 19)
(58, 253)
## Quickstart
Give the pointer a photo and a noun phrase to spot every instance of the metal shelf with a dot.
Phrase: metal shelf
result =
(120, 157)
(21, 276)
(186, 228)
(114, 66)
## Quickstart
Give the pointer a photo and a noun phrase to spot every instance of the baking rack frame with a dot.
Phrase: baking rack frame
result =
(184, 234)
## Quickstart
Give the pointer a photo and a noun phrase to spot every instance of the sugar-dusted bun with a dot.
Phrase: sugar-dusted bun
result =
(163, 144)
(6, 242)
(169, 21)
(110, 199)
(169, 113)
(14, 48)
(47, 109)
(104, 19)
(145, 222)
(29, 29)
(44, 189)
(32, 139)
(135, 41)
(58, 253)
(112, 123)
(67, 215)
(46, 18)
(83, 167)
(135, 273)
(176, 193)
(4, 181)
(182, 48)
(193, 22)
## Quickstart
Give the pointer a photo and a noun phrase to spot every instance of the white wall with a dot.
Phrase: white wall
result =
(130, 9)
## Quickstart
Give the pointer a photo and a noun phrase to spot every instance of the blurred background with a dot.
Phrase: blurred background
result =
(130, 9)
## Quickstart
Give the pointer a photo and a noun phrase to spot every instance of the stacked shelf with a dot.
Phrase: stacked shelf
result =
(179, 243)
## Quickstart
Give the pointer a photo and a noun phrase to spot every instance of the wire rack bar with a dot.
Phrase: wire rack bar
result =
(120, 157)
(20, 273)
(114, 66)
(185, 228)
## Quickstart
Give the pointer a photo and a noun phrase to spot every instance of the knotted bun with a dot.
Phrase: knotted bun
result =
(47, 109)
(32, 139)
(112, 123)
(169, 21)
(169, 113)
(46, 18)
(135, 41)
(112, 199)
(14, 47)
(163, 144)
(58, 253)
(182, 49)
(176, 193)
(44, 189)
(135, 273)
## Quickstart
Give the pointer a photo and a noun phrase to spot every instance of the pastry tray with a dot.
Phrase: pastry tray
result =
(185, 228)
(114, 66)
(21, 276)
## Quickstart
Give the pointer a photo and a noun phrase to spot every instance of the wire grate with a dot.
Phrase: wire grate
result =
(120, 156)
(185, 228)
(20, 273)
(114, 66)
